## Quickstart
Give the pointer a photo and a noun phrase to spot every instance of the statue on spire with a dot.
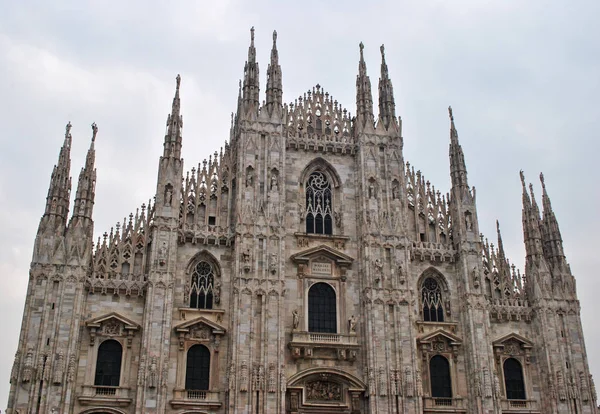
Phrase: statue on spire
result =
(450, 113)
(178, 80)
(94, 131)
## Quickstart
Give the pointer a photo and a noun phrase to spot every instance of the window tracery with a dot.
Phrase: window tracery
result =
(318, 204)
(202, 286)
(431, 295)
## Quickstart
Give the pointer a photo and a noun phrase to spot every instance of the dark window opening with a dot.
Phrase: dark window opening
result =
(513, 380)
(441, 384)
(108, 364)
(197, 371)
(322, 316)
(212, 220)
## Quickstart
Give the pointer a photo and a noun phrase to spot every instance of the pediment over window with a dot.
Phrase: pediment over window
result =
(111, 325)
(322, 261)
(200, 330)
(512, 345)
(440, 336)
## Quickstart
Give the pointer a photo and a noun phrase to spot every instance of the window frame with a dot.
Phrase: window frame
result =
(336, 308)
(208, 368)
(96, 365)
(523, 382)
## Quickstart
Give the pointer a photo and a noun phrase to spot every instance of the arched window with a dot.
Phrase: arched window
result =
(433, 308)
(108, 363)
(201, 292)
(197, 370)
(322, 309)
(318, 204)
(513, 380)
(439, 372)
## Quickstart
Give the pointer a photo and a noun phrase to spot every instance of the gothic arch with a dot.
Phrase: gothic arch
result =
(206, 256)
(321, 165)
(437, 275)
(434, 296)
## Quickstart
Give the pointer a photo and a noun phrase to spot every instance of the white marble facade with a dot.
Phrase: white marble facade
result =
(304, 268)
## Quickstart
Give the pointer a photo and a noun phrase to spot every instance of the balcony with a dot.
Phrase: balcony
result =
(324, 345)
(443, 405)
(196, 399)
(520, 406)
(103, 395)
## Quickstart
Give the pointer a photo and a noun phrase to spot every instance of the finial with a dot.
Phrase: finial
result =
(542, 180)
(252, 35)
(450, 113)
(382, 48)
(498, 226)
(274, 37)
(68, 129)
(178, 80)
(361, 46)
(522, 178)
(94, 131)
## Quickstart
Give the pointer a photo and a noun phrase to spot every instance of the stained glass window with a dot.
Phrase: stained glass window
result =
(201, 292)
(431, 294)
(318, 204)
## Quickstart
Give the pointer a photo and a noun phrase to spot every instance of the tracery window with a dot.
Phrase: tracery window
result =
(201, 290)
(108, 363)
(197, 371)
(322, 315)
(318, 204)
(431, 294)
(513, 380)
(441, 383)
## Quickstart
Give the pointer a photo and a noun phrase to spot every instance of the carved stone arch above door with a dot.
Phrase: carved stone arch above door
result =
(329, 389)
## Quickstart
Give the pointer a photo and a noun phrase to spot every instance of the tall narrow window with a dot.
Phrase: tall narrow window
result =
(439, 371)
(201, 292)
(108, 364)
(318, 204)
(513, 380)
(431, 294)
(197, 371)
(322, 309)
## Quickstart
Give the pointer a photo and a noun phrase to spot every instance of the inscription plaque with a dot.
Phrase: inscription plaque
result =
(320, 268)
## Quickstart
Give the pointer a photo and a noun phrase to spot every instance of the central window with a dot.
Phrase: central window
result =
(197, 371)
(201, 292)
(322, 315)
(318, 204)
(431, 295)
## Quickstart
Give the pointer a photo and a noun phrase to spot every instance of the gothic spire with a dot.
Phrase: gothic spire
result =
(172, 145)
(274, 81)
(553, 247)
(364, 98)
(458, 169)
(387, 106)
(500, 244)
(531, 223)
(84, 197)
(59, 191)
(251, 81)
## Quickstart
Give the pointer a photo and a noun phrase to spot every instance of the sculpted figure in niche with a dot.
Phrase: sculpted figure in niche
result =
(371, 190)
(168, 194)
(352, 324)
(152, 373)
(249, 177)
(295, 319)
(274, 185)
(395, 190)
(468, 221)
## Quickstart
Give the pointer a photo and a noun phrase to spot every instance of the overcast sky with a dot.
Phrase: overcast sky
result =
(521, 76)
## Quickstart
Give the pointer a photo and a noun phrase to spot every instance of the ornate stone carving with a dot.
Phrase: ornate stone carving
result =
(352, 324)
(14, 372)
(246, 257)
(231, 376)
(244, 376)
(408, 383)
(164, 381)
(371, 376)
(71, 369)
(497, 389)
(487, 384)
(382, 382)
(112, 328)
(583, 386)
(477, 384)
(378, 268)
(593, 389)
(295, 319)
(59, 369)
(141, 369)
(201, 332)
(28, 366)
(273, 263)
(152, 374)
(272, 383)
(560, 381)
(419, 382)
(323, 391)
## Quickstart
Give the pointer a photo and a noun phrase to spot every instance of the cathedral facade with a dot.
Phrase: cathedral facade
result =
(304, 268)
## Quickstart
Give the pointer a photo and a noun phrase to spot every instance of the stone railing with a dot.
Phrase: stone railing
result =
(444, 404)
(435, 252)
(520, 406)
(195, 398)
(303, 345)
(99, 394)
